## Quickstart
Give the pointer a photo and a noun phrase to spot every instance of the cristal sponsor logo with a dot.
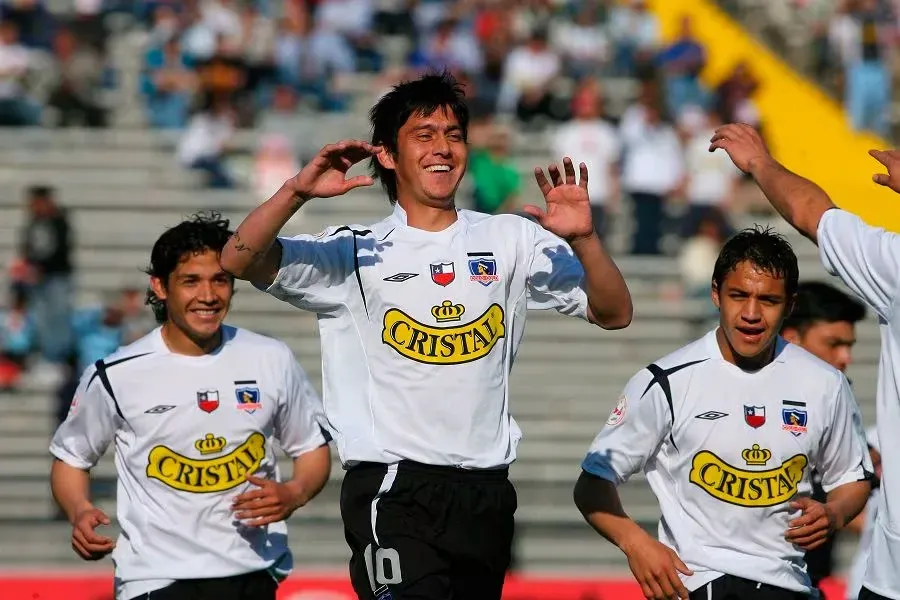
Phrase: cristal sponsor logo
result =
(443, 345)
(747, 488)
(209, 475)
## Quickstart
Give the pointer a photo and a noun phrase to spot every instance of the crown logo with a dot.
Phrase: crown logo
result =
(756, 456)
(210, 444)
(447, 311)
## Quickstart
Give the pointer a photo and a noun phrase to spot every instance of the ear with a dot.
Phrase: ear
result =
(156, 285)
(714, 294)
(790, 334)
(386, 159)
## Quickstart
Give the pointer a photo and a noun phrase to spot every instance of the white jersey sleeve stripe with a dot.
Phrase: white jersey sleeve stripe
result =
(100, 372)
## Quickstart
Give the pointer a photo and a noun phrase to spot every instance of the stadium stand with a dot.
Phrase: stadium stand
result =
(121, 186)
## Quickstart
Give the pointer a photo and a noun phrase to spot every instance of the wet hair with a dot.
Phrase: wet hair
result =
(200, 233)
(421, 97)
(764, 249)
(819, 302)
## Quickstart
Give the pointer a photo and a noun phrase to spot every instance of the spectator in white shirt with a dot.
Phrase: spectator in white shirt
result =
(583, 42)
(527, 74)
(203, 145)
(712, 180)
(588, 138)
(652, 169)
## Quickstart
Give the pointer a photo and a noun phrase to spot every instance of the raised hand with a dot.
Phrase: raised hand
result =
(86, 542)
(742, 143)
(568, 213)
(325, 176)
(891, 160)
(268, 503)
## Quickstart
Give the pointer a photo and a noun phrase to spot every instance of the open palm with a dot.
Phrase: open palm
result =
(568, 212)
(325, 176)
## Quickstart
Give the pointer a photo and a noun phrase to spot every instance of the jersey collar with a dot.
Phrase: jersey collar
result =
(398, 217)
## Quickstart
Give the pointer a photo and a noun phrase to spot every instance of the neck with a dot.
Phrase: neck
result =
(428, 218)
(180, 342)
(745, 363)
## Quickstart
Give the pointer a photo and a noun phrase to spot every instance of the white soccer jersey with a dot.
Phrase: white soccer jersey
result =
(725, 451)
(867, 260)
(187, 431)
(419, 330)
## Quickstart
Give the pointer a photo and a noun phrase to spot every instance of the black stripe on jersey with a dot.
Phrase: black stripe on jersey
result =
(479, 253)
(793, 403)
(104, 378)
(355, 233)
(246, 382)
(661, 376)
(387, 234)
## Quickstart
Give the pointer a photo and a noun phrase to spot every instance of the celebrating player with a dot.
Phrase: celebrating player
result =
(823, 322)
(867, 260)
(420, 318)
(726, 430)
(193, 408)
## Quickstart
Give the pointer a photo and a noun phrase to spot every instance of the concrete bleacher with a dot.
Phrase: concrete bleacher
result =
(122, 187)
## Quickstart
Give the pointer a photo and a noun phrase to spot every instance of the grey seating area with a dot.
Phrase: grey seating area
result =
(123, 187)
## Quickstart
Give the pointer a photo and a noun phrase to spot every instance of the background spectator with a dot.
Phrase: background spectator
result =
(46, 246)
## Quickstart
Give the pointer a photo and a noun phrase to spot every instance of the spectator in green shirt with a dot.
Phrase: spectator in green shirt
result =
(495, 177)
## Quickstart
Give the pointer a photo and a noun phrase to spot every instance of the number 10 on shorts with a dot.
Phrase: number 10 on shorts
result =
(383, 569)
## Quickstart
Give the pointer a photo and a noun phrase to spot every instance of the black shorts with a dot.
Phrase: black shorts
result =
(259, 585)
(867, 594)
(730, 587)
(419, 532)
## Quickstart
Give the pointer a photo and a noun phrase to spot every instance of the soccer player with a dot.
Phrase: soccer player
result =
(727, 430)
(867, 260)
(420, 317)
(823, 322)
(194, 409)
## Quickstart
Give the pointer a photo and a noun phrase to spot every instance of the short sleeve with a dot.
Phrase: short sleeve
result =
(299, 420)
(90, 426)
(313, 270)
(843, 455)
(633, 434)
(865, 258)
(555, 276)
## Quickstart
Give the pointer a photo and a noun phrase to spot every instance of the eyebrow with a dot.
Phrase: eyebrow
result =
(432, 127)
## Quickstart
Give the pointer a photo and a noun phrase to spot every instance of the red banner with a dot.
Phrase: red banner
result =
(299, 587)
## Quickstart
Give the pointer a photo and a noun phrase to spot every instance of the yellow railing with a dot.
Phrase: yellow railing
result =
(805, 129)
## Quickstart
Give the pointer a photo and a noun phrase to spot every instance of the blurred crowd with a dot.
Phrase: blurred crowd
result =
(851, 47)
(44, 328)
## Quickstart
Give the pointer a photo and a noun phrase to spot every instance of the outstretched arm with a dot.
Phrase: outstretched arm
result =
(253, 252)
(800, 201)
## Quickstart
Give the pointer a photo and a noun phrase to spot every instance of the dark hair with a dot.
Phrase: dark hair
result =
(421, 97)
(199, 233)
(765, 249)
(40, 191)
(819, 302)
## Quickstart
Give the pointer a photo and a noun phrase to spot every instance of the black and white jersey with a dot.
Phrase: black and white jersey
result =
(867, 260)
(725, 451)
(186, 432)
(419, 330)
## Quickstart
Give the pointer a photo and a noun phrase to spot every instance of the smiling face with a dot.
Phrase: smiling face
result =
(752, 305)
(430, 160)
(197, 296)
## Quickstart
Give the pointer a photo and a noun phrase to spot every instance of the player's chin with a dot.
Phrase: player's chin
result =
(204, 325)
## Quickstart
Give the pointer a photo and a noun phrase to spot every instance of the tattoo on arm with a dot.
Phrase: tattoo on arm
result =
(239, 245)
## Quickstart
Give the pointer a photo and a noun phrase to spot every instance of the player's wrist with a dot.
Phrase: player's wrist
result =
(631, 540)
(295, 195)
